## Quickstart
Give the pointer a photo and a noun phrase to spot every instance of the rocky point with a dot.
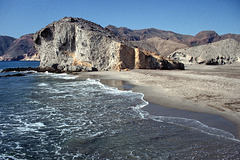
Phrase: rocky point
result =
(75, 44)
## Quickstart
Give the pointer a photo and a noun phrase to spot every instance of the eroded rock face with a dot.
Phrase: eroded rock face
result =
(74, 44)
(218, 53)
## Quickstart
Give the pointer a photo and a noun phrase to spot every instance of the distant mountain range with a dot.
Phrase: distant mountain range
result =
(165, 42)
(5, 43)
(12, 49)
(201, 38)
(154, 40)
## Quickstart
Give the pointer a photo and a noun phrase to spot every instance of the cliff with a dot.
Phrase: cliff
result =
(75, 44)
(221, 52)
(154, 40)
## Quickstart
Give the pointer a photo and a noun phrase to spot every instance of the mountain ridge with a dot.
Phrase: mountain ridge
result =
(201, 38)
(5, 43)
(152, 39)
(143, 34)
(20, 49)
(74, 44)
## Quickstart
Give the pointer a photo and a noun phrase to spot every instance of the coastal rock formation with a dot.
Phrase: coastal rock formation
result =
(221, 52)
(20, 49)
(75, 44)
(13, 75)
(151, 39)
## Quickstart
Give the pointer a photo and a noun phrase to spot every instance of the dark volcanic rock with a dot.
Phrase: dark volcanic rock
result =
(14, 75)
(75, 44)
(19, 69)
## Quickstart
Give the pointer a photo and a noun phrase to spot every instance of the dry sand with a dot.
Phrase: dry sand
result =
(199, 88)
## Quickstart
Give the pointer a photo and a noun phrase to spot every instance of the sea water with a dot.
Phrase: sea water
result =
(60, 116)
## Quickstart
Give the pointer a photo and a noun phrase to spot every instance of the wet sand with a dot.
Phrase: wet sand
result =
(209, 94)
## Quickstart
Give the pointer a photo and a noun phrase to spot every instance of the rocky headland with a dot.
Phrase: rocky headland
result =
(75, 44)
(147, 40)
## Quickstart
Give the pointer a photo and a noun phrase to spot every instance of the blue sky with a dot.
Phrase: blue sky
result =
(19, 17)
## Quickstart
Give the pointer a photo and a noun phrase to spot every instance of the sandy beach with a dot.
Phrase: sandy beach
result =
(201, 89)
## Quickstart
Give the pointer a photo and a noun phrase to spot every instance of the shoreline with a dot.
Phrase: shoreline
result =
(156, 87)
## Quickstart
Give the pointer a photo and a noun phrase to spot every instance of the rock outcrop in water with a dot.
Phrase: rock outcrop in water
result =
(74, 44)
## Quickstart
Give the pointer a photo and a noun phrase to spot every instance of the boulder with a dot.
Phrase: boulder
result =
(75, 44)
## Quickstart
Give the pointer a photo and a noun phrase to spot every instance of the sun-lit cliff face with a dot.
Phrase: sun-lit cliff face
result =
(222, 52)
(74, 44)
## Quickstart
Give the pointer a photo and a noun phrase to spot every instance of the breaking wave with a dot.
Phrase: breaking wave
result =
(62, 116)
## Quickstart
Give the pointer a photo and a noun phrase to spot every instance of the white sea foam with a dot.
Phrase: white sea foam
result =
(18, 145)
(32, 127)
(62, 76)
(194, 124)
(71, 110)
(97, 134)
(191, 123)
(26, 129)
(30, 71)
(5, 156)
(42, 84)
(37, 124)
(69, 77)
